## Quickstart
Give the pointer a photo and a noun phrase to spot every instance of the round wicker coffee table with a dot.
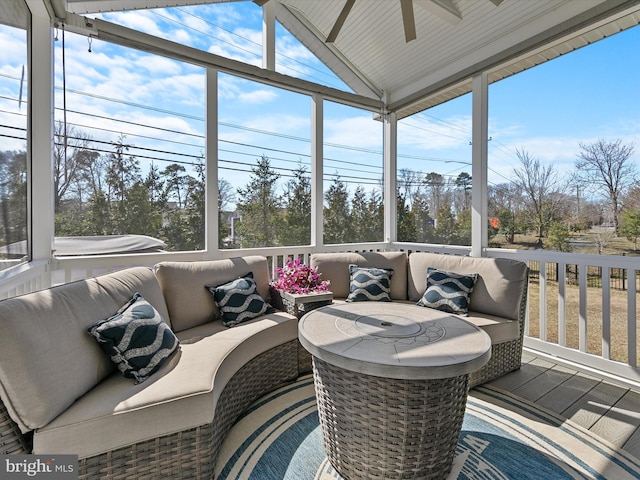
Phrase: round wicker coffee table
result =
(391, 383)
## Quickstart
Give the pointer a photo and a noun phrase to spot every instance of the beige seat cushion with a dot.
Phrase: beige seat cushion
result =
(182, 395)
(498, 291)
(183, 284)
(47, 358)
(335, 267)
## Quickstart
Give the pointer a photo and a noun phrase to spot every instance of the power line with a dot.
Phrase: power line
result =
(434, 132)
(248, 40)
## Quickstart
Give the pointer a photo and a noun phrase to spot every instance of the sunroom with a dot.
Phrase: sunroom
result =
(362, 80)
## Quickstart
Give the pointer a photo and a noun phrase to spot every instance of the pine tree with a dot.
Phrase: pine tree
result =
(360, 216)
(123, 171)
(407, 231)
(337, 224)
(376, 212)
(446, 226)
(195, 209)
(423, 221)
(259, 207)
(297, 219)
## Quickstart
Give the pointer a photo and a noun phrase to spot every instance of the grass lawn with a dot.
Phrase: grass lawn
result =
(582, 242)
(594, 318)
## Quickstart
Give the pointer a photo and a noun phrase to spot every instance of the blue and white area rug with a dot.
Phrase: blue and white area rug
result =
(503, 437)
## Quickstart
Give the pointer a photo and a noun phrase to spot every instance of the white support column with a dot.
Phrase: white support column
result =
(317, 169)
(211, 165)
(40, 137)
(479, 169)
(390, 177)
(269, 36)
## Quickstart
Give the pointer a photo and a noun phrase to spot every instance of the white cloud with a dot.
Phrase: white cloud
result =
(139, 20)
(355, 131)
(423, 133)
(258, 96)
(247, 92)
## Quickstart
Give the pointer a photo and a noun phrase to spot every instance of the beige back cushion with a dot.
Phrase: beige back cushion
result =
(189, 303)
(335, 268)
(47, 358)
(498, 291)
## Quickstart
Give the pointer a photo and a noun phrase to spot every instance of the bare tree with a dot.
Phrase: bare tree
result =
(606, 166)
(71, 157)
(540, 187)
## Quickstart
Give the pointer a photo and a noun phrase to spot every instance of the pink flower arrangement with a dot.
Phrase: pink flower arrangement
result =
(296, 277)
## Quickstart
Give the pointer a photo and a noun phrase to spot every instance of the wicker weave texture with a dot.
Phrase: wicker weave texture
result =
(506, 356)
(191, 454)
(266, 372)
(299, 309)
(183, 455)
(305, 364)
(380, 428)
(11, 439)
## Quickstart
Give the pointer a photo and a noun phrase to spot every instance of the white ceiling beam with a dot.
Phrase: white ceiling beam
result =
(97, 6)
(444, 9)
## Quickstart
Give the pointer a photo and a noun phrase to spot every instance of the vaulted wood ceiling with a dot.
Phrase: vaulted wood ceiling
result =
(414, 54)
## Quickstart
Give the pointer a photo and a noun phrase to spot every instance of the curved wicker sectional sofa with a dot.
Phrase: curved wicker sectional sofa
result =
(61, 394)
(497, 304)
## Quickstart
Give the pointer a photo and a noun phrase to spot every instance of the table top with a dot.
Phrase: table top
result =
(394, 340)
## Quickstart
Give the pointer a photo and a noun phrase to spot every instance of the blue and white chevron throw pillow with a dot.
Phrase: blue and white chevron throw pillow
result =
(369, 284)
(136, 338)
(448, 291)
(239, 300)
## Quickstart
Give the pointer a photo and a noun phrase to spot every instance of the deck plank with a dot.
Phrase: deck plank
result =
(566, 394)
(527, 372)
(621, 421)
(632, 445)
(544, 383)
(610, 411)
(594, 404)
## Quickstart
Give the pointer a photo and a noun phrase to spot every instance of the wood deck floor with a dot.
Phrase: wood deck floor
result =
(611, 411)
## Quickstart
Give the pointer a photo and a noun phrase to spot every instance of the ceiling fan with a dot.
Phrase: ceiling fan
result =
(408, 20)
(442, 8)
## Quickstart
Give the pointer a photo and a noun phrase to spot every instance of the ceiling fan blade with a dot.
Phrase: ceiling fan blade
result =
(333, 34)
(408, 20)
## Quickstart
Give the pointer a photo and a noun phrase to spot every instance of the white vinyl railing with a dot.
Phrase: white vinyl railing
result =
(582, 308)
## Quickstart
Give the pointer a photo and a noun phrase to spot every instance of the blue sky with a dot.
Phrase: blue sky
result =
(548, 111)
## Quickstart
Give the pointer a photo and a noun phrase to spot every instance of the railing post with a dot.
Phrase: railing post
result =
(582, 320)
(632, 345)
(562, 305)
(606, 312)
